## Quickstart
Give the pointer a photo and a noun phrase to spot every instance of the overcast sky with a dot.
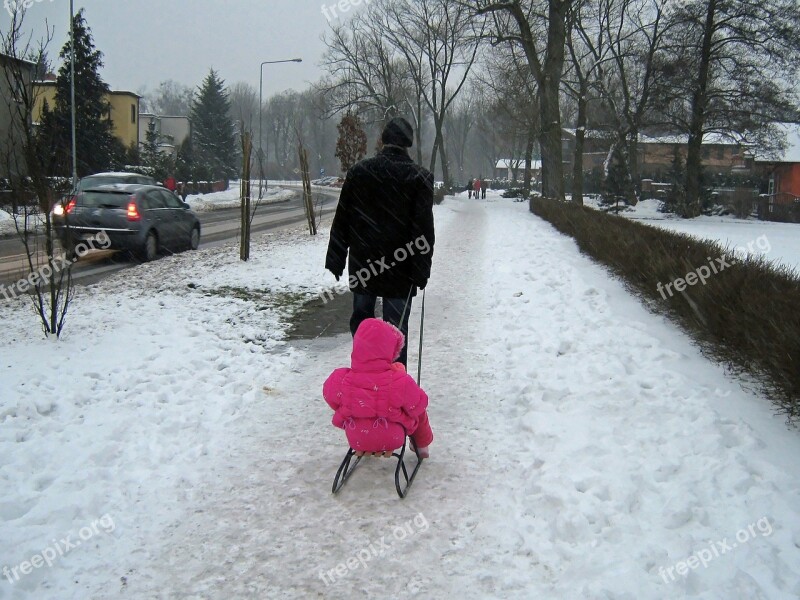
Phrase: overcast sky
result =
(147, 41)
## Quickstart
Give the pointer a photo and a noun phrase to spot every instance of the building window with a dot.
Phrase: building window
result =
(133, 114)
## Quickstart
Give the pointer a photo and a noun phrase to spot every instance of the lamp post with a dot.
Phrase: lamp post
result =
(72, 93)
(260, 101)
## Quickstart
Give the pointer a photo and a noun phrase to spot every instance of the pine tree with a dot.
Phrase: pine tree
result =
(352, 144)
(51, 154)
(157, 163)
(184, 164)
(676, 200)
(214, 140)
(96, 147)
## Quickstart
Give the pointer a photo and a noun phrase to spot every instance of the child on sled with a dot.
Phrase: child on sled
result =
(375, 401)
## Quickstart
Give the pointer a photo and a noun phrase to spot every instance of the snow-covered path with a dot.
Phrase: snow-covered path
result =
(584, 448)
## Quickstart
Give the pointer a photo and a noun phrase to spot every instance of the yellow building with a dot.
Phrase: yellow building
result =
(124, 114)
(125, 117)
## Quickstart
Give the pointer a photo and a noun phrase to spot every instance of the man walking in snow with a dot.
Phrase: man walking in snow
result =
(385, 221)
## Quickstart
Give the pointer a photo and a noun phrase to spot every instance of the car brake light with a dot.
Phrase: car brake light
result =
(133, 212)
(61, 209)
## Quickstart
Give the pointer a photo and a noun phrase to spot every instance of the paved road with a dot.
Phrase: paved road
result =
(219, 227)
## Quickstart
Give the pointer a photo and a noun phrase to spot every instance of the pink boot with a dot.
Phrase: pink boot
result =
(423, 452)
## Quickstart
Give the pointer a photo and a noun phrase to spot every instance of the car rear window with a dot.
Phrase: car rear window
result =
(90, 182)
(104, 200)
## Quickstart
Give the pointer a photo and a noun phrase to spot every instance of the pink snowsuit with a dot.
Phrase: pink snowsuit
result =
(375, 401)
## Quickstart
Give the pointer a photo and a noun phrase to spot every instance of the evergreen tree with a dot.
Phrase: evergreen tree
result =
(150, 154)
(184, 164)
(214, 141)
(96, 147)
(51, 154)
(675, 202)
(352, 144)
(614, 186)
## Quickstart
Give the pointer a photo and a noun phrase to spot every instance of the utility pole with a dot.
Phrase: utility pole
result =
(72, 94)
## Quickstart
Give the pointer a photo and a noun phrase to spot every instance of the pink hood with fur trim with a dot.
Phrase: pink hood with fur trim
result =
(375, 401)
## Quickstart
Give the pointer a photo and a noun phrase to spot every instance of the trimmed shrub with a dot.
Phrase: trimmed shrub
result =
(744, 311)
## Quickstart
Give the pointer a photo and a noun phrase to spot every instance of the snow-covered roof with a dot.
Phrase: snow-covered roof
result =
(792, 152)
(604, 134)
(516, 163)
(113, 174)
(708, 138)
(590, 134)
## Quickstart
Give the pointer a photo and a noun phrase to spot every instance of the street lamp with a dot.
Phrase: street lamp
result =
(260, 95)
(72, 93)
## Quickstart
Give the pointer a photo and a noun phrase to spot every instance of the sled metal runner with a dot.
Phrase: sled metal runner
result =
(400, 472)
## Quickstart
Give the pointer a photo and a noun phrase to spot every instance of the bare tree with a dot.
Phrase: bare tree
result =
(577, 81)
(366, 74)
(515, 94)
(621, 43)
(280, 115)
(244, 103)
(539, 28)
(733, 70)
(170, 99)
(439, 41)
(28, 159)
(460, 123)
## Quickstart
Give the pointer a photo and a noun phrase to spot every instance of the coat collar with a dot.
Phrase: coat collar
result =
(396, 151)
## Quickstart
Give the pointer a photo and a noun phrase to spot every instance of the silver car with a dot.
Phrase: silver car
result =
(140, 219)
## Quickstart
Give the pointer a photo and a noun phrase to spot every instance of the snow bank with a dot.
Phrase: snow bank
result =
(230, 198)
(6, 223)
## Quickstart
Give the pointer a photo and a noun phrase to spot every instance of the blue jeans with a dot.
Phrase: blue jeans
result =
(393, 309)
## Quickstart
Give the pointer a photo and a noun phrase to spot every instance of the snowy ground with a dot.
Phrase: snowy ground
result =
(777, 242)
(584, 448)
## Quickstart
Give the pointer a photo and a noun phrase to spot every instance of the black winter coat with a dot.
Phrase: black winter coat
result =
(385, 219)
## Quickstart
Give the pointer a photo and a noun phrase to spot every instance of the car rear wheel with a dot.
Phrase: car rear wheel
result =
(194, 239)
(150, 248)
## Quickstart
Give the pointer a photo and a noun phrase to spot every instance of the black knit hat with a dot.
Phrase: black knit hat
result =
(398, 132)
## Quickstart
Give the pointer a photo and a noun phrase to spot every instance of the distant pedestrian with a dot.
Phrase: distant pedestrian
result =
(171, 184)
(476, 187)
(469, 188)
(484, 186)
